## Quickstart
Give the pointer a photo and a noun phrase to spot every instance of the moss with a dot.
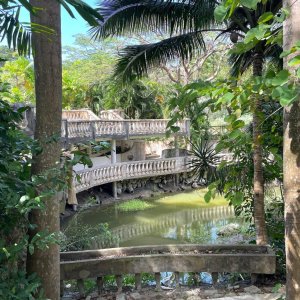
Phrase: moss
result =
(134, 205)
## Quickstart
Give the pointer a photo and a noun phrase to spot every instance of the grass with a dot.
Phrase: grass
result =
(194, 199)
(134, 205)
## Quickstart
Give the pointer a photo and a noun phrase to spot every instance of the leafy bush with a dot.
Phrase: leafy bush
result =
(78, 236)
(17, 199)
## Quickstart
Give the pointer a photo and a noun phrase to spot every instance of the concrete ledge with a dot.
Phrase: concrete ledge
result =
(173, 258)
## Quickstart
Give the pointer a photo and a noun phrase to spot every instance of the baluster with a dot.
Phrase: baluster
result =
(138, 281)
(80, 285)
(100, 284)
(157, 280)
(119, 283)
(144, 170)
(61, 288)
(214, 277)
(253, 278)
(176, 274)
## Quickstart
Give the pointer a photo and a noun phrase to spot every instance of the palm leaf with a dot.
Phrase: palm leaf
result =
(132, 16)
(242, 62)
(137, 60)
(84, 10)
(16, 33)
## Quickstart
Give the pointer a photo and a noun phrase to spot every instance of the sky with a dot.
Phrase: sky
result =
(71, 27)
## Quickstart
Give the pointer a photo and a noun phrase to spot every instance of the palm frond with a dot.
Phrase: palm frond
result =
(272, 54)
(17, 34)
(89, 14)
(137, 60)
(133, 16)
(240, 63)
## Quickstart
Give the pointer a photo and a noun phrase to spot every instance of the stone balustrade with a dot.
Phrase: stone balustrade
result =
(112, 114)
(81, 265)
(76, 131)
(129, 170)
(79, 114)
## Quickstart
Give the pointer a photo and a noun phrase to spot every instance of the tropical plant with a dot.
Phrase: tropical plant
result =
(139, 100)
(17, 199)
(18, 34)
(204, 161)
(19, 75)
(186, 22)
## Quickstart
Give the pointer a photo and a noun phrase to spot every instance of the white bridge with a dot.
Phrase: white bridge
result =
(80, 125)
(83, 125)
(129, 170)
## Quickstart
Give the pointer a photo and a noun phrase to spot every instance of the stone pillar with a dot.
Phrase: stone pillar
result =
(176, 145)
(139, 150)
(72, 199)
(176, 155)
(113, 156)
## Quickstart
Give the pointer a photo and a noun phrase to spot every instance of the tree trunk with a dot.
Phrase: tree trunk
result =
(291, 166)
(48, 88)
(258, 177)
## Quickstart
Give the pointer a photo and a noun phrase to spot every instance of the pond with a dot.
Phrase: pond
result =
(182, 218)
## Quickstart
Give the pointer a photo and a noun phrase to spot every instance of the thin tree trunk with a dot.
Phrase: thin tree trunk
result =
(48, 85)
(258, 178)
(291, 166)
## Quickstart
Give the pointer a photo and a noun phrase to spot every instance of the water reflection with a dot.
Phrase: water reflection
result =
(175, 219)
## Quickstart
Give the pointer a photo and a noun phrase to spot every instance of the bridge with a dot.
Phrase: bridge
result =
(89, 178)
(83, 125)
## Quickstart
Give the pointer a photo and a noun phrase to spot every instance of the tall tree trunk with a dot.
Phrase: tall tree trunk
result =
(258, 178)
(291, 166)
(48, 85)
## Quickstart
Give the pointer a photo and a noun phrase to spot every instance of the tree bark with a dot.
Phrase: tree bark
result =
(258, 177)
(291, 165)
(48, 85)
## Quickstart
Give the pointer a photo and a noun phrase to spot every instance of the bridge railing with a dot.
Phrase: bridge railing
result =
(76, 130)
(129, 170)
(89, 264)
(78, 114)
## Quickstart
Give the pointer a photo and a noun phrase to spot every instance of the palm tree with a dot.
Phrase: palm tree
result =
(47, 64)
(185, 22)
(291, 167)
(18, 34)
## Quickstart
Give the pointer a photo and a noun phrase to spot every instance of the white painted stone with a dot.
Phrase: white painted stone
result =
(252, 289)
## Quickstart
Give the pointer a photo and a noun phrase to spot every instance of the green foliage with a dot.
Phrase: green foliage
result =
(140, 99)
(204, 162)
(275, 226)
(77, 236)
(17, 199)
(19, 75)
(237, 99)
(20, 193)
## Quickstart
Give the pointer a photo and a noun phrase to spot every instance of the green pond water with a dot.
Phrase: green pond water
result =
(169, 219)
